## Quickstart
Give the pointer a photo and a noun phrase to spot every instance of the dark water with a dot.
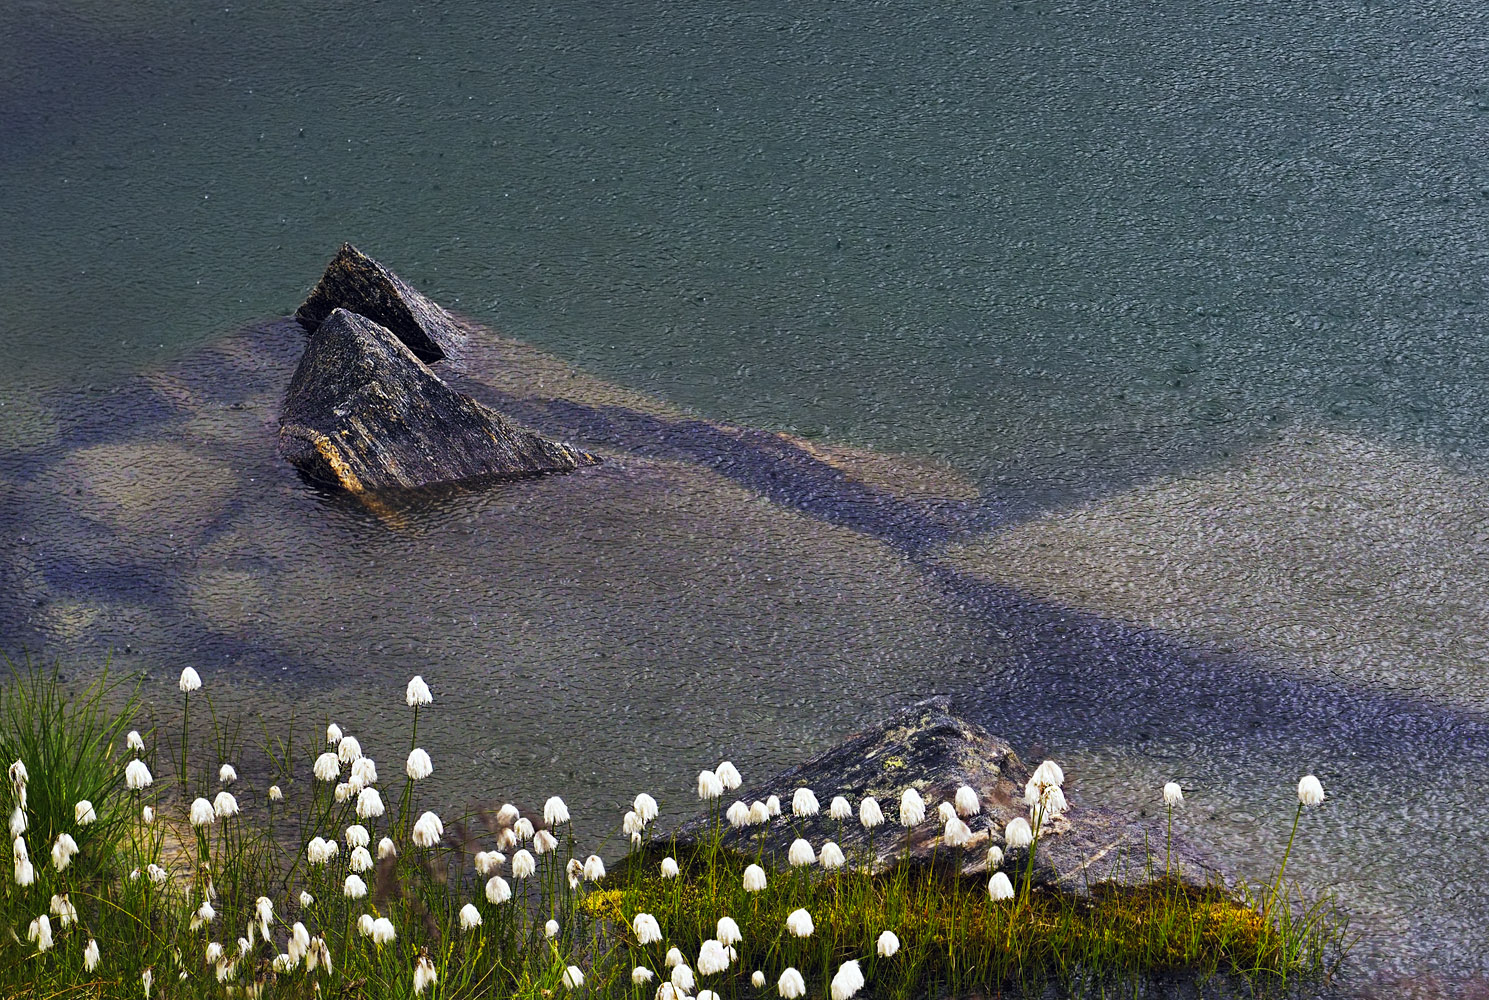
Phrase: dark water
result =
(1191, 292)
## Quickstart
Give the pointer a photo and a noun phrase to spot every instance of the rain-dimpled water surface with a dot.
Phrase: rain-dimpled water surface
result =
(1127, 356)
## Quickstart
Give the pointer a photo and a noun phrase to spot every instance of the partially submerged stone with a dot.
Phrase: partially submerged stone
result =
(362, 412)
(927, 748)
(356, 282)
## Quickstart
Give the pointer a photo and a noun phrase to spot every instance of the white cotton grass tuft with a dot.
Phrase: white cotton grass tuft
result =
(682, 978)
(791, 985)
(999, 888)
(773, 805)
(555, 812)
(63, 850)
(428, 830)
(487, 862)
(263, 909)
(319, 850)
(713, 957)
(382, 931)
(759, 814)
(544, 841)
(276, 794)
(369, 804)
(225, 805)
(575, 871)
(669, 868)
(646, 807)
(957, 833)
(227, 774)
(839, 809)
(523, 828)
(425, 975)
(360, 860)
(190, 681)
(945, 812)
(1310, 791)
(91, 956)
(40, 932)
(333, 734)
(364, 772)
(134, 741)
(709, 785)
(63, 910)
(1018, 834)
(738, 815)
(306, 899)
(550, 929)
(728, 931)
(356, 835)
(648, 930)
(147, 814)
(523, 864)
(848, 981)
(728, 776)
(573, 977)
(967, 803)
(386, 848)
(673, 958)
(83, 813)
(348, 750)
(912, 808)
(497, 890)
(594, 868)
(470, 917)
(831, 856)
(419, 766)
(327, 767)
(801, 853)
(417, 693)
(202, 814)
(1172, 794)
(18, 821)
(754, 878)
(888, 944)
(994, 857)
(799, 923)
(869, 813)
(757, 979)
(137, 775)
(1049, 773)
(804, 804)
(641, 975)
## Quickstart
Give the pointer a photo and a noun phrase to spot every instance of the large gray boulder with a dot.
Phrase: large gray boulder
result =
(356, 282)
(363, 413)
(927, 748)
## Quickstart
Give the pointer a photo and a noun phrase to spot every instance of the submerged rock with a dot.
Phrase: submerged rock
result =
(362, 412)
(927, 748)
(356, 282)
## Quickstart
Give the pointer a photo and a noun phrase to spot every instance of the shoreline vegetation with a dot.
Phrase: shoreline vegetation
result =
(143, 866)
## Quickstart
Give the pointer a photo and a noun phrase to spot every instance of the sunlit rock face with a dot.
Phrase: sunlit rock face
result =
(359, 284)
(363, 413)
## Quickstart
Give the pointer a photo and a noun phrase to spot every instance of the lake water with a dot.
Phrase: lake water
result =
(1189, 297)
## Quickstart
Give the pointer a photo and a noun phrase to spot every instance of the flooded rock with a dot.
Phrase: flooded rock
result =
(928, 748)
(355, 282)
(364, 413)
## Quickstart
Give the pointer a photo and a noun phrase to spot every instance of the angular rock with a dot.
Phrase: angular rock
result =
(364, 413)
(356, 282)
(936, 752)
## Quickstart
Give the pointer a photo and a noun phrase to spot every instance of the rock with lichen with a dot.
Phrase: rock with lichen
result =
(355, 282)
(364, 413)
(928, 748)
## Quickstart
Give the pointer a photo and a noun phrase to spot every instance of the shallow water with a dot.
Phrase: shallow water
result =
(1186, 297)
